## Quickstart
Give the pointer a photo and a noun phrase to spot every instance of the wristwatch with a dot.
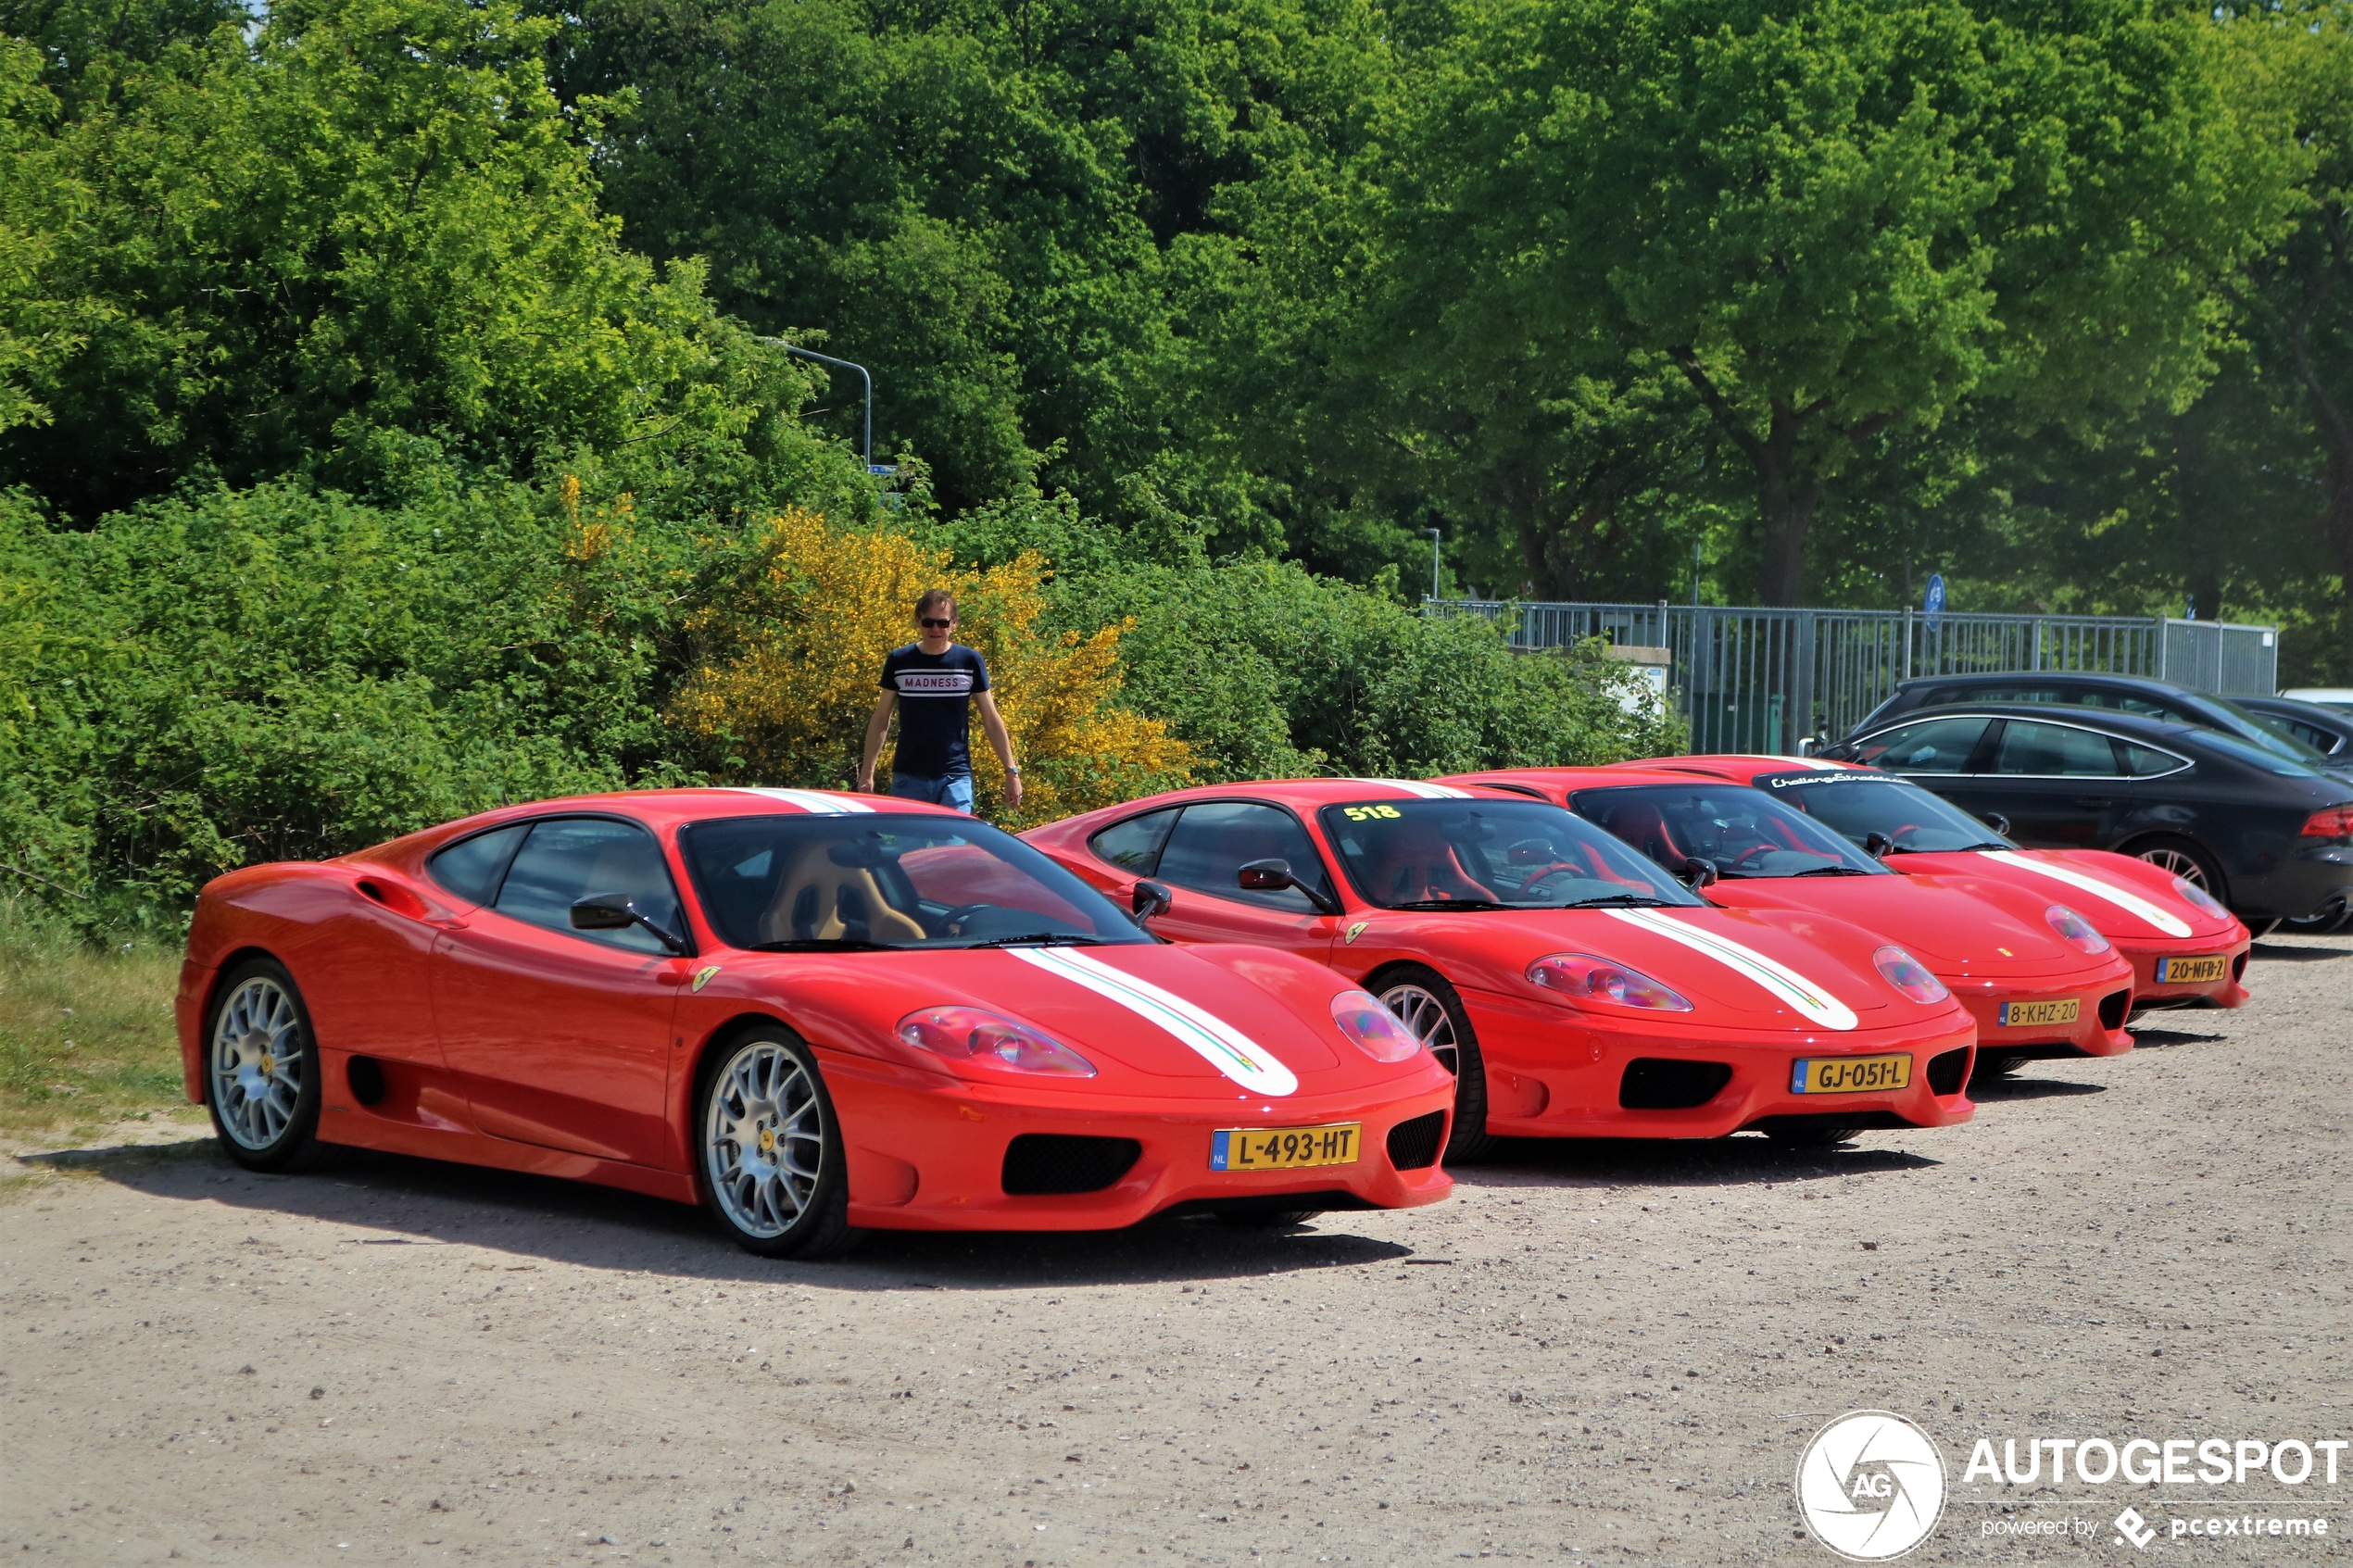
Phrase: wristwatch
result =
(1012, 769)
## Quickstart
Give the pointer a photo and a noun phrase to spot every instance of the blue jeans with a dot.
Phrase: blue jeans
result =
(956, 793)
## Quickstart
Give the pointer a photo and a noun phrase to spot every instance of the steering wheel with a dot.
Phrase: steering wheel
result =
(1745, 856)
(961, 913)
(1558, 868)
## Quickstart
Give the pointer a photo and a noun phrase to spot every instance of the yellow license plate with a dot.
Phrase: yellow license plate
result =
(2190, 971)
(1285, 1148)
(1849, 1075)
(2039, 1015)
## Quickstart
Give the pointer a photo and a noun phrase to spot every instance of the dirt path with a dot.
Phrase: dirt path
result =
(1594, 1354)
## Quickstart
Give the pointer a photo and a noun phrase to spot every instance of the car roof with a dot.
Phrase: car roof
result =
(1614, 775)
(1311, 793)
(669, 807)
(2081, 677)
(1744, 767)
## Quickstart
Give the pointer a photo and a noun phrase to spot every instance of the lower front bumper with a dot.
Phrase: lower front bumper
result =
(925, 1159)
(2099, 1029)
(2149, 991)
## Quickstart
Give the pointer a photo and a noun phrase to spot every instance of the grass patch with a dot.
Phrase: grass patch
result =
(85, 1029)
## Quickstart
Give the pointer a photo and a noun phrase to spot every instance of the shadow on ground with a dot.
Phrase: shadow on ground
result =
(393, 1200)
(1682, 1162)
(2150, 1039)
(1996, 1090)
(2297, 955)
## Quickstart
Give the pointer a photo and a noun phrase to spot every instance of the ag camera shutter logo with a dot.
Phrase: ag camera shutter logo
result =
(1871, 1486)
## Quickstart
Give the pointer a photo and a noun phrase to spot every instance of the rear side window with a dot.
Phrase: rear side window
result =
(1213, 841)
(569, 859)
(2055, 751)
(2146, 761)
(1932, 746)
(470, 868)
(2134, 702)
(2006, 692)
(1135, 845)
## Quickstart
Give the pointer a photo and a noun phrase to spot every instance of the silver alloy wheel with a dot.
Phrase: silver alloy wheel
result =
(258, 1063)
(764, 1140)
(1425, 1015)
(2179, 863)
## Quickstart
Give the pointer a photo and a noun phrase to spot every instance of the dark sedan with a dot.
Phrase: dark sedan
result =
(2269, 836)
(2121, 694)
(2327, 730)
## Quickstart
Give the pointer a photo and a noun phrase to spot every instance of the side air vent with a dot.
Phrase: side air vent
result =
(2112, 1008)
(1947, 1071)
(1655, 1083)
(1038, 1164)
(1414, 1146)
(366, 1076)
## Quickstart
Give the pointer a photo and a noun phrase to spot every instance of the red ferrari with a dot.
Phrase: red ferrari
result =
(1577, 989)
(2183, 946)
(2039, 978)
(811, 1012)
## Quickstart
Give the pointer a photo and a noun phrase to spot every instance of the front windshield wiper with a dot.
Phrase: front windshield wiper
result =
(824, 944)
(1038, 939)
(1621, 901)
(1459, 904)
(1832, 870)
(1955, 849)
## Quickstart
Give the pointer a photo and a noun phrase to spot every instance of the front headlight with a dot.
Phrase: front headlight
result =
(2197, 898)
(970, 1034)
(2074, 930)
(1372, 1028)
(1582, 977)
(1908, 975)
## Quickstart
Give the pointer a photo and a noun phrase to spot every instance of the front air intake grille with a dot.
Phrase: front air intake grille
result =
(1041, 1164)
(2112, 1008)
(2238, 969)
(1413, 1146)
(1656, 1083)
(1947, 1071)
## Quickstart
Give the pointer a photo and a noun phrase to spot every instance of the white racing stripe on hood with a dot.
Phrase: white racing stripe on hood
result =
(1211, 1038)
(2131, 903)
(809, 800)
(1787, 984)
(1415, 787)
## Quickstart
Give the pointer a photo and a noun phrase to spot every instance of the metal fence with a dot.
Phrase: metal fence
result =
(1754, 679)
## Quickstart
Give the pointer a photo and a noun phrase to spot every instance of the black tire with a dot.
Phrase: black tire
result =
(1991, 1067)
(766, 1140)
(1811, 1137)
(1469, 1140)
(261, 1069)
(2186, 860)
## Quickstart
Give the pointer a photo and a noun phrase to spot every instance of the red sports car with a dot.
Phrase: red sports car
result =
(2039, 978)
(813, 1012)
(1577, 990)
(2183, 946)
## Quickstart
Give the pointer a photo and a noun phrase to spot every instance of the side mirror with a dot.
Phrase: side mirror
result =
(1274, 875)
(614, 912)
(1877, 844)
(1998, 822)
(1151, 900)
(1697, 874)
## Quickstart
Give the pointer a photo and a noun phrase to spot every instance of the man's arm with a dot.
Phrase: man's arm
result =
(876, 728)
(992, 723)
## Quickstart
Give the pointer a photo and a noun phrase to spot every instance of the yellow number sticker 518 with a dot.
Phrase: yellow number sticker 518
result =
(1370, 813)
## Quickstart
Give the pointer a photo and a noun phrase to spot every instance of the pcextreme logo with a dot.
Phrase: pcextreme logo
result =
(1871, 1486)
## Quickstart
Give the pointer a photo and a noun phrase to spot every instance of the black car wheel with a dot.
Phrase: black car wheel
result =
(771, 1149)
(2185, 860)
(1811, 1137)
(1427, 1005)
(261, 1069)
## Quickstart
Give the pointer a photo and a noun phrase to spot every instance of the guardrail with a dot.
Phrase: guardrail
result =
(1753, 678)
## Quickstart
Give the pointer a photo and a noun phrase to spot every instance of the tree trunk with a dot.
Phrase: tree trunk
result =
(2203, 581)
(1788, 500)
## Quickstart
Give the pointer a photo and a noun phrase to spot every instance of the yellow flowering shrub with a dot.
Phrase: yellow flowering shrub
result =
(789, 659)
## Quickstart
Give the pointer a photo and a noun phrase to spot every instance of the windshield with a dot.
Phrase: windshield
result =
(1858, 805)
(789, 883)
(2255, 756)
(1740, 832)
(2274, 731)
(1487, 854)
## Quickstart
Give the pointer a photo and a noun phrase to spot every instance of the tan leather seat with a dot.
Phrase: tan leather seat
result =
(816, 899)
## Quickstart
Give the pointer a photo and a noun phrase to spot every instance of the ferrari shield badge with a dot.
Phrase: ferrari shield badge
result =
(702, 975)
(1354, 932)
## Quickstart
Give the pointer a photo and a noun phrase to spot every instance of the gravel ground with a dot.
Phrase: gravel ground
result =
(1594, 1352)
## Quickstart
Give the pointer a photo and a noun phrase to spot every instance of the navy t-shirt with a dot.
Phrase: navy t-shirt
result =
(934, 708)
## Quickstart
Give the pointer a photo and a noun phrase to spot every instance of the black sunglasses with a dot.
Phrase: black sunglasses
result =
(929, 624)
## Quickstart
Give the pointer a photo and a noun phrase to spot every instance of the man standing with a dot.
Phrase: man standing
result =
(933, 682)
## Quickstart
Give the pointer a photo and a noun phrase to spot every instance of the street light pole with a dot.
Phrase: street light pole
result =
(1435, 535)
(847, 365)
